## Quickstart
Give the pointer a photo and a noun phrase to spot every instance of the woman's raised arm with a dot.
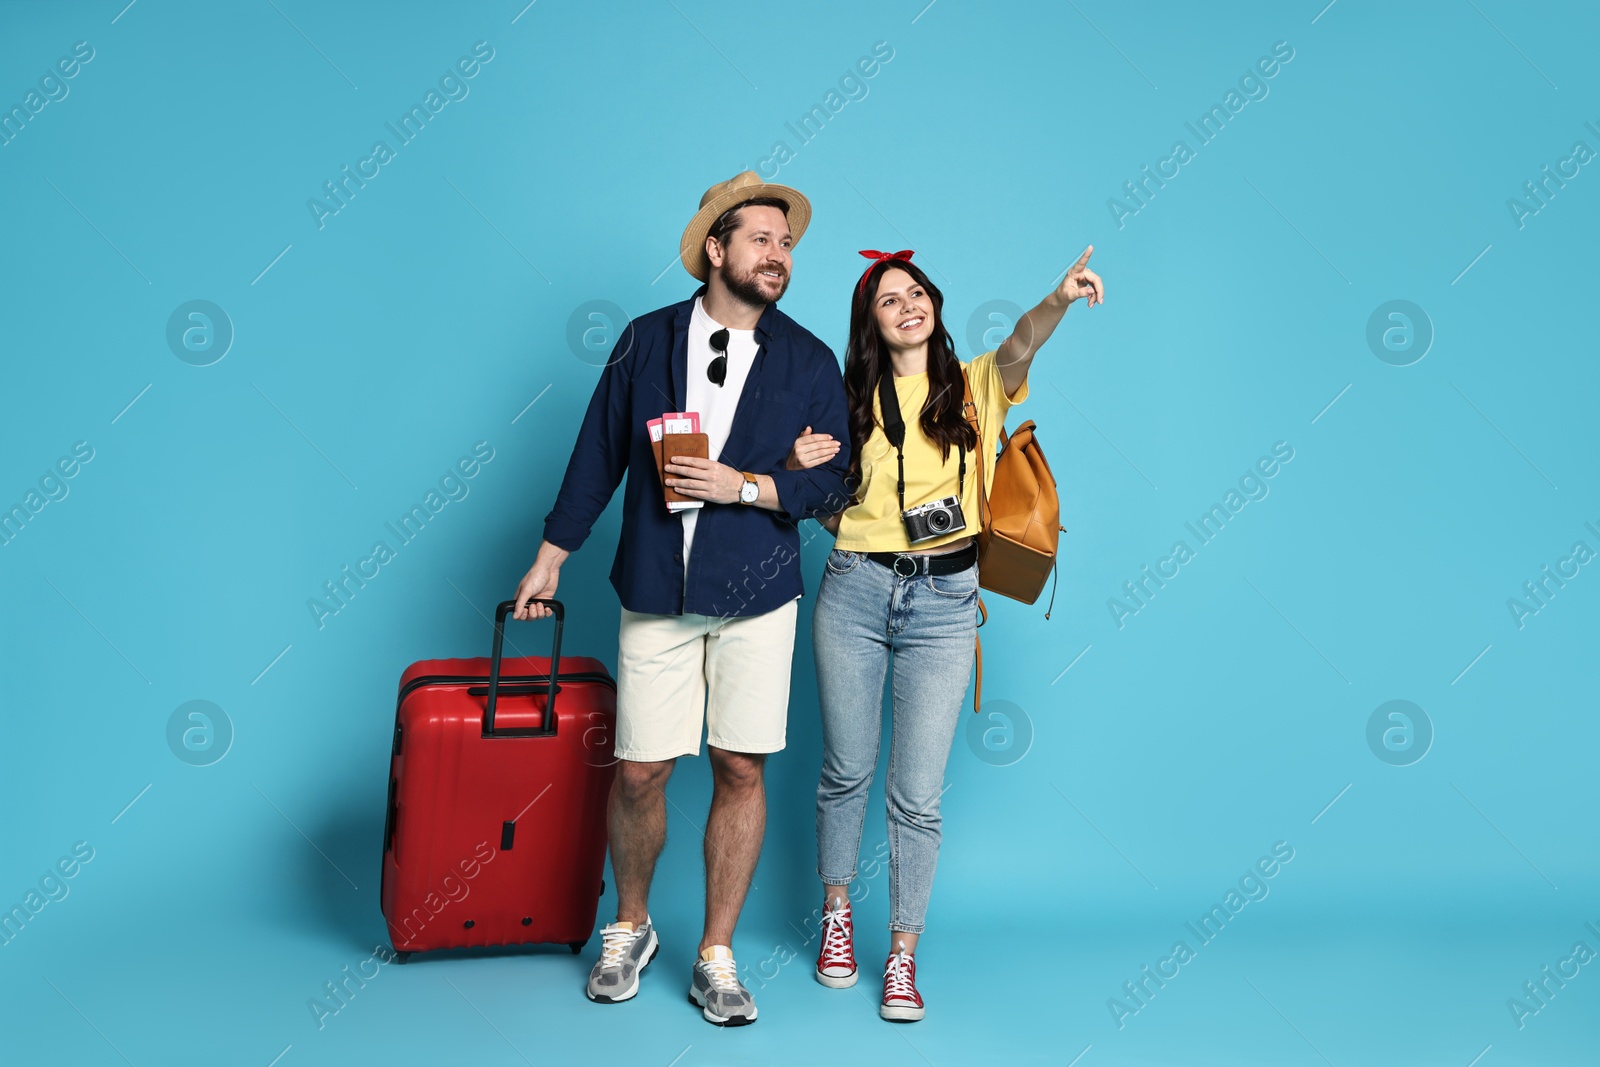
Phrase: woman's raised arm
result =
(1016, 352)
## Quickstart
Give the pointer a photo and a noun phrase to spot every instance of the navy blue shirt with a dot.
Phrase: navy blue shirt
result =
(746, 559)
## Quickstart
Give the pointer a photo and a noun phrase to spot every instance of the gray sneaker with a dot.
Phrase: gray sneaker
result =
(624, 952)
(718, 992)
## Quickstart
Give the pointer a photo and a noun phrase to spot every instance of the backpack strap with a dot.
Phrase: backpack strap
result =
(969, 411)
(977, 687)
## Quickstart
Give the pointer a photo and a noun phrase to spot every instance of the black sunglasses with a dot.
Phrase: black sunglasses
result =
(718, 370)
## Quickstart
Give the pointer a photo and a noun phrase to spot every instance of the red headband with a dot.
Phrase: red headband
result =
(878, 257)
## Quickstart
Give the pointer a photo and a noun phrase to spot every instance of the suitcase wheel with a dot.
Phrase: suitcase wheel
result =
(577, 946)
(401, 957)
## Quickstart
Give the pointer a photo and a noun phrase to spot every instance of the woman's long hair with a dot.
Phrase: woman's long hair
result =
(867, 360)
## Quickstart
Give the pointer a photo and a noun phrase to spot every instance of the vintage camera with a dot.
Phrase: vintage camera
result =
(934, 519)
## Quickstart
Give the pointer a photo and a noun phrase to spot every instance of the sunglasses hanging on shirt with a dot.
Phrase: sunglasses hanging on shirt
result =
(718, 369)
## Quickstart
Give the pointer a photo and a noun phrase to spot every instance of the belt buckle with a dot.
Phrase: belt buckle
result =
(909, 561)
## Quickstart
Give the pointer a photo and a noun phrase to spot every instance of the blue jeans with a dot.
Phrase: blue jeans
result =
(864, 612)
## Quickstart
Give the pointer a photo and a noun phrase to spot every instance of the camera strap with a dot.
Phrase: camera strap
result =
(894, 428)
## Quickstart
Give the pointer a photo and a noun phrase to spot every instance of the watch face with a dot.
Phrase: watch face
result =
(749, 491)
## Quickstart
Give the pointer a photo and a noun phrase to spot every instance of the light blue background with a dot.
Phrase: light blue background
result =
(1229, 714)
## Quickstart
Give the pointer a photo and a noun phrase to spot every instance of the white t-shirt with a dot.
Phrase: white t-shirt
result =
(716, 404)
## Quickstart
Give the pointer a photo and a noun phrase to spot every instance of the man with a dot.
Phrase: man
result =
(709, 594)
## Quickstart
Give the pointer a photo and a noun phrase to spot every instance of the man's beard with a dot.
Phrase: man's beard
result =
(747, 287)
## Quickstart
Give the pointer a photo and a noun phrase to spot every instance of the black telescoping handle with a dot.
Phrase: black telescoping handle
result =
(506, 608)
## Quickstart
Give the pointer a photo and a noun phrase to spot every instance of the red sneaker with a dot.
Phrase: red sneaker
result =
(836, 960)
(901, 1001)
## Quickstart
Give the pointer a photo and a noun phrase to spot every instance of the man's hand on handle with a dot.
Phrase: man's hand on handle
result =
(540, 581)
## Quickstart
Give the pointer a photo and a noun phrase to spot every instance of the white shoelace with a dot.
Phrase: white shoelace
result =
(897, 978)
(724, 974)
(614, 944)
(836, 936)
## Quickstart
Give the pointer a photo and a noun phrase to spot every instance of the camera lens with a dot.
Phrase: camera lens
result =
(938, 521)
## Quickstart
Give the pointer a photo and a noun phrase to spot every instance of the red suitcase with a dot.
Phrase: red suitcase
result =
(496, 828)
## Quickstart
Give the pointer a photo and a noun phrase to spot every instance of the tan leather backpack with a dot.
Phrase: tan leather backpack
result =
(1021, 520)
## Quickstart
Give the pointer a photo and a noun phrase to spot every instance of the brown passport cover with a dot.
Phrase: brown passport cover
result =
(679, 444)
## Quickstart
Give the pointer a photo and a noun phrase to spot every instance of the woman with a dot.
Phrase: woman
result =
(903, 579)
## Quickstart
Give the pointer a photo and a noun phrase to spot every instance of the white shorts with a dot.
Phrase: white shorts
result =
(668, 665)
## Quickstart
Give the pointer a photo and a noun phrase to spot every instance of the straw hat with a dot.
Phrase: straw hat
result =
(722, 196)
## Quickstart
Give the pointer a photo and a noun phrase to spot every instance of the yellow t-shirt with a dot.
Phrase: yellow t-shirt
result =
(874, 524)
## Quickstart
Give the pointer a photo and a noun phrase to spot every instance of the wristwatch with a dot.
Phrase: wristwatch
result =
(750, 490)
